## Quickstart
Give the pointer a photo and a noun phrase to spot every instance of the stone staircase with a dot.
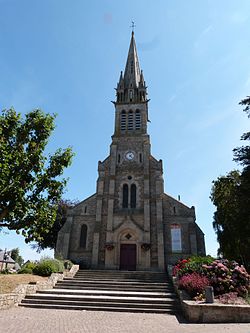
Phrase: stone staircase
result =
(109, 291)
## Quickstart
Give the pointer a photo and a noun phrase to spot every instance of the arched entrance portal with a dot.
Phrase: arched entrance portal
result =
(128, 257)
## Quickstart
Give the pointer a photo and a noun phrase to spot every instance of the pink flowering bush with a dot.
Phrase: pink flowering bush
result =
(225, 276)
(194, 284)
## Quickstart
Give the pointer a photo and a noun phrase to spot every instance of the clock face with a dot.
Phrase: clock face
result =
(129, 156)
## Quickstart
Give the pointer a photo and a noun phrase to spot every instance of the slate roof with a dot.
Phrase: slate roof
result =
(9, 260)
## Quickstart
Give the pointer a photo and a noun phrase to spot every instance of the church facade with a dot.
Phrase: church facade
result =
(130, 223)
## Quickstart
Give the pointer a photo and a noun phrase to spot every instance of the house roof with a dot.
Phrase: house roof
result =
(8, 259)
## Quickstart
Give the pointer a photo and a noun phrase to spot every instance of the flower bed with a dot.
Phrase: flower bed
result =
(230, 283)
(194, 274)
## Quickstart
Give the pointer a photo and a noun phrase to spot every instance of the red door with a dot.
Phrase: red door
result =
(128, 257)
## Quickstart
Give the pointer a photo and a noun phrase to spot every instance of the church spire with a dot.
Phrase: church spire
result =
(131, 87)
(132, 70)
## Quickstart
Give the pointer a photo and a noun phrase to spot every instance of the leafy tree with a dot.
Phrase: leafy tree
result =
(49, 238)
(29, 186)
(231, 196)
(15, 255)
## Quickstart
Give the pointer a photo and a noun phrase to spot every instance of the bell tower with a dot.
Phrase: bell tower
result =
(131, 97)
(129, 176)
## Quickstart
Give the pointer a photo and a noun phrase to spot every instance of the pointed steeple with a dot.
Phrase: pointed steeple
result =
(131, 87)
(132, 70)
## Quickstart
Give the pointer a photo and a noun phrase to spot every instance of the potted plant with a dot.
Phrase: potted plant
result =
(145, 246)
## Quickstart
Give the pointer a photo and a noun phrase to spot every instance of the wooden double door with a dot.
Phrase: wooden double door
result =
(128, 257)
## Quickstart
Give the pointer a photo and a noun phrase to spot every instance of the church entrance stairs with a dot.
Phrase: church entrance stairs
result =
(109, 291)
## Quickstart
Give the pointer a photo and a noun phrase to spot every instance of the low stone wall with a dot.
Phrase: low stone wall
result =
(14, 298)
(216, 313)
(201, 312)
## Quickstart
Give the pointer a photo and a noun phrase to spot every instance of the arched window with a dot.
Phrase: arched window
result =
(130, 121)
(83, 238)
(123, 121)
(133, 196)
(125, 196)
(137, 120)
(176, 238)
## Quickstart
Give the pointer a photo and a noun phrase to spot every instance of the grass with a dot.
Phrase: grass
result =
(8, 282)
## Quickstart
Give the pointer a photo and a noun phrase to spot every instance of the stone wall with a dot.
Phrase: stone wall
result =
(14, 298)
(215, 313)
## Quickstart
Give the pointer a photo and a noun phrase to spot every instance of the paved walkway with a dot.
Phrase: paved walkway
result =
(25, 320)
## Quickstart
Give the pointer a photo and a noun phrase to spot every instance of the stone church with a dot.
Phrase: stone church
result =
(130, 223)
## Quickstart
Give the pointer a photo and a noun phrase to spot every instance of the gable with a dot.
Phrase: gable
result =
(172, 206)
(87, 206)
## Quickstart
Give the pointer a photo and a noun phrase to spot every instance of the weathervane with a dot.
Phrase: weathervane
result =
(132, 25)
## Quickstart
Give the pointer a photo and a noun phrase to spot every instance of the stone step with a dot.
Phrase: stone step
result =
(101, 278)
(106, 293)
(124, 299)
(108, 288)
(109, 291)
(98, 308)
(106, 278)
(110, 271)
(98, 303)
(116, 281)
(125, 274)
(129, 274)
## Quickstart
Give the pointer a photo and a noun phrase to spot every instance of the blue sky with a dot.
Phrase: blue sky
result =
(66, 56)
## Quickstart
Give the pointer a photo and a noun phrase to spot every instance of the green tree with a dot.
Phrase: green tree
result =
(49, 238)
(30, 182)
(231, 196)
(15, 255)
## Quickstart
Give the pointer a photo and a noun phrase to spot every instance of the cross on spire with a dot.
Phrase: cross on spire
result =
(132, 25)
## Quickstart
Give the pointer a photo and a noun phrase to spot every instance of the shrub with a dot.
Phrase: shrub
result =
(227, 276)
(194, 283)
(191, 265)
(5, 271)
(25, 270)
(30, 265)
(48, 266)
(44, 269)
(57, 265)
(67, 264)
(179, 266)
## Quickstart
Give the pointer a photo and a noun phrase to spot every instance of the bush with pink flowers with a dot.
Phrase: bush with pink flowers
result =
(225, 276)
(194, 284)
